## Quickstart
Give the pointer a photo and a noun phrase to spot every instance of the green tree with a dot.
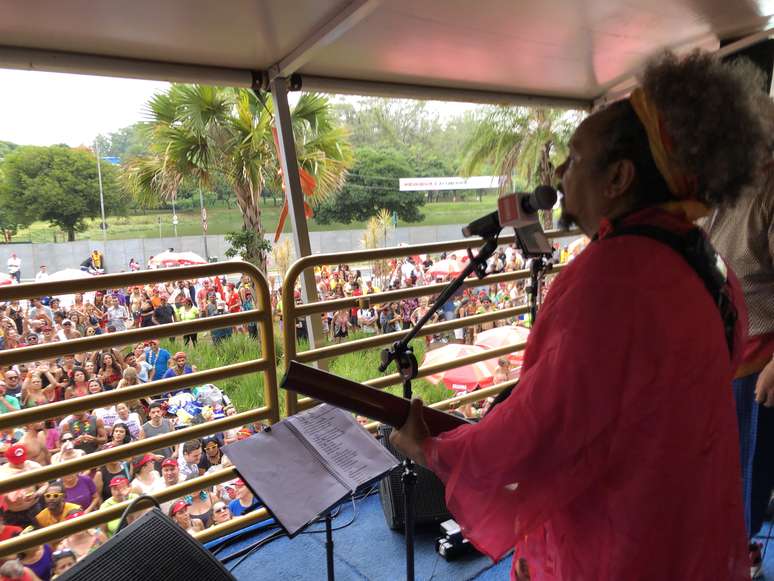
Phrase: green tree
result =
(126, 143)
(524, 144)
(57, 184)
(199, 132)
(371, 185)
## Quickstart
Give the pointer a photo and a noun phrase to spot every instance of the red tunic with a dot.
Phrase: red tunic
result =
(617, 457)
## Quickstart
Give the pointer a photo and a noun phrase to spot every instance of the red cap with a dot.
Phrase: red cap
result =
(177, 507)
(239, 482)
(119, 481)
(143, 461)
(169, 462)
(243, 434)
(75, 514)
(17, 454)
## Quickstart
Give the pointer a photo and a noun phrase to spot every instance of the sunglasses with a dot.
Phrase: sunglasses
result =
(53, 495)
(220, 509)
(211, 447)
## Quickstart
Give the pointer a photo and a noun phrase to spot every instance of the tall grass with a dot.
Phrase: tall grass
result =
(246, 391)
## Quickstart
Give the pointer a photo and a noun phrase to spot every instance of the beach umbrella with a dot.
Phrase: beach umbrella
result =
(446, 267)
(71, 274)
(461, 379)
(169, 259)
(502, 336)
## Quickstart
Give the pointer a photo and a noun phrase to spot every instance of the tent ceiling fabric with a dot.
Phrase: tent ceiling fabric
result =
(575, 49)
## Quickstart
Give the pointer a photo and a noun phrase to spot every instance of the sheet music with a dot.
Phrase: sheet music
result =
(347, 447)
(308, 463)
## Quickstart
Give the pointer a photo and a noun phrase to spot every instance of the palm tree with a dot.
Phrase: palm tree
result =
(523, 145)
(197, 132)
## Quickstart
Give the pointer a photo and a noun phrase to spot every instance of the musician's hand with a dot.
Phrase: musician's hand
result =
(409, 438)
(764, 388)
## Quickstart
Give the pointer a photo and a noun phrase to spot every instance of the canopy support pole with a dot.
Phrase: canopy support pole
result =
(295, 198)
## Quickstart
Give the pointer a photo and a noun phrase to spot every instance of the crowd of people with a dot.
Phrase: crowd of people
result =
(33, 383)
(43, 320)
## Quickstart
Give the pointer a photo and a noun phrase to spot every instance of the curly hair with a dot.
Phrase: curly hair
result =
(713, 114)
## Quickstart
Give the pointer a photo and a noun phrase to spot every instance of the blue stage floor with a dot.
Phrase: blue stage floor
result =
(368, 550)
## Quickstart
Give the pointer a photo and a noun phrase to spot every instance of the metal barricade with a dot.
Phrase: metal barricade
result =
(291, 311)
(266, 364)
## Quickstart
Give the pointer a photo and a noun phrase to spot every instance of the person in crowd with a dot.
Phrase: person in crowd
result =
(88, 431)
(141, 367)
(158, 357)
(212, 455)
(164, 313)
(146, 314)
(146, 479)
(38, 560)
(57, 508)
(542, 473)
(157, 425)
(171, 475)
(245, 500)
(67, 450)
(131, 420)
(192, 455)
(188, 312)
(220, 513)
(23, 505)
(83, 542)
(117, 314)
(111, 371)
(200, 507)
(180, 366)
(34, 441)
(8, 403)
(80, 489)
(14, 266)
(179, 513)
(78, 386)
(42, 274)
(119, 492)
(63, 560)
(105, 474)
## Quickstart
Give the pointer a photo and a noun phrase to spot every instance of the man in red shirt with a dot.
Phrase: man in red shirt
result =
(617, 455)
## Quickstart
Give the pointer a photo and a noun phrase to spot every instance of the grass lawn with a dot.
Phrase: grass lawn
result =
(247, 390)
(223, 220)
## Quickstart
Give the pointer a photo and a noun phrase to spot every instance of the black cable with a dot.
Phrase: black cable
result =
(265, 541)
(130, 506)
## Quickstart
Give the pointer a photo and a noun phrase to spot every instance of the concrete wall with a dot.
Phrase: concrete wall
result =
(57, 256)
(119, 252)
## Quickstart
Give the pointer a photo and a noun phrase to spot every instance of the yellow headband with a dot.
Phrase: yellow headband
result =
(682, 185)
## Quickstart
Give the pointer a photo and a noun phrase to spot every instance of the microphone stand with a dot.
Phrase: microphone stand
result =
(537, 271)
(403, 354)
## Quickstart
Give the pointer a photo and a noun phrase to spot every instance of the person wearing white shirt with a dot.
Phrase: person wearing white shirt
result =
(42, 274)
(14, 266)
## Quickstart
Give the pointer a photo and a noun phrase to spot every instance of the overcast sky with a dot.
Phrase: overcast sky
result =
(47, 108)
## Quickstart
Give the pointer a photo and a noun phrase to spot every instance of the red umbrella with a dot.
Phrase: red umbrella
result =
(502, 336)
(446, 267)
(461, 379)
(6, 279)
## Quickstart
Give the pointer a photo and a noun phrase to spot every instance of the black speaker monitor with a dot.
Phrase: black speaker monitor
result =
(152, 547)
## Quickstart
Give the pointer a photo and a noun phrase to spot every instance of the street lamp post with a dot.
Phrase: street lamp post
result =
(103, 225)
(204, 224)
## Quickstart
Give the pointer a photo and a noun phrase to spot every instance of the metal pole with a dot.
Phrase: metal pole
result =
(204, 224)
(103, 226)
(295, 197)
(174, 217)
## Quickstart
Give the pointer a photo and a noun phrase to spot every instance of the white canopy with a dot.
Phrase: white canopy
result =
(562, 51)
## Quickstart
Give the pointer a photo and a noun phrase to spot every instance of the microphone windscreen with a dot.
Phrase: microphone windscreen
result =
(545, 197)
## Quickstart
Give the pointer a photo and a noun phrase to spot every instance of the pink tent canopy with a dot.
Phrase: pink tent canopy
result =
(446, 267)
(502, 336)
(461, 379)
(168, 259)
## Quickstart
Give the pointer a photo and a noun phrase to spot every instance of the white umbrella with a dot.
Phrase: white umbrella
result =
(71, 274)
(168, 259)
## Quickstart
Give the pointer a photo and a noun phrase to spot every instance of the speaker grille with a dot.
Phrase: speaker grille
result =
(152, 547)
(430, 494)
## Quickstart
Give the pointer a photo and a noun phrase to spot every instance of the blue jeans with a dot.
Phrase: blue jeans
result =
(747, 417)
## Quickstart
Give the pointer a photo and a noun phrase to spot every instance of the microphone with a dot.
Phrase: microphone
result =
(517, 210)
